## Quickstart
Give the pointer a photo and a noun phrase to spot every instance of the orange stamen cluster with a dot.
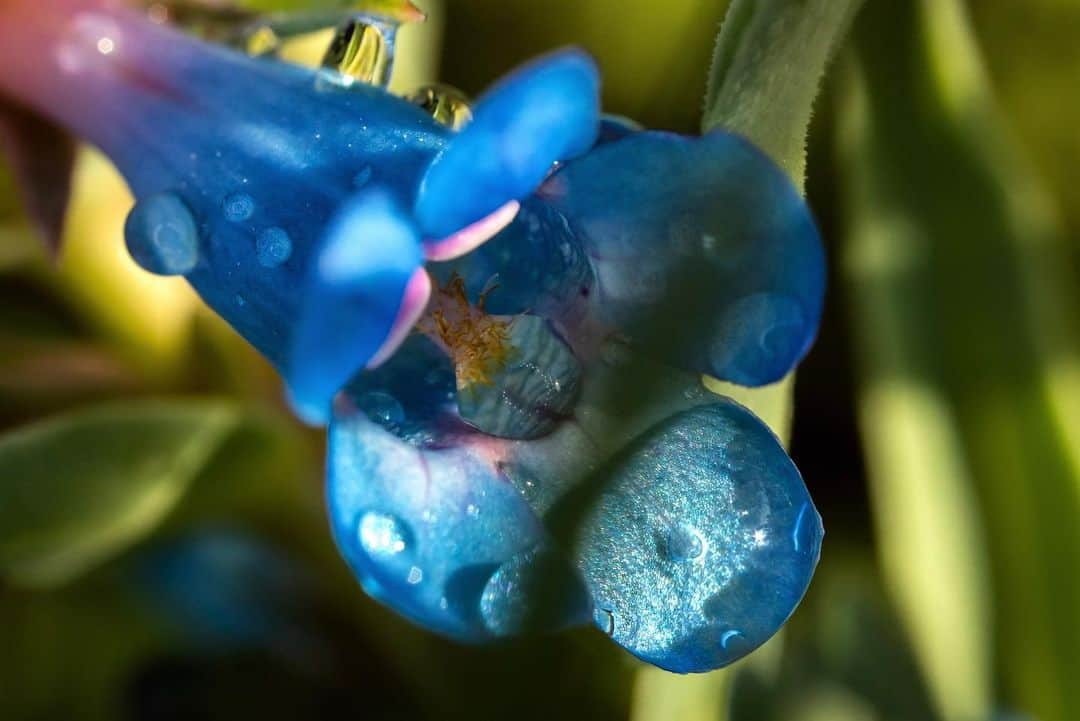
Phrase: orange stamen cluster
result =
(477, 343)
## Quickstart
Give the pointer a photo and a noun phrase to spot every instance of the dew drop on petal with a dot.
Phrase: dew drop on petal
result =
(238, 207)
(273, 246)
(363, 177)
(684, 543)
(162, 236)
(446, 104)
(534, 591)
(381, 407)
(528, 395)
(383, 536)
(362, 50)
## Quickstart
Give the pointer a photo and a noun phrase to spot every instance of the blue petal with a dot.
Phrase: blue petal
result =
(424, 528)
(351, 299)
(704, 251)
(543, 112)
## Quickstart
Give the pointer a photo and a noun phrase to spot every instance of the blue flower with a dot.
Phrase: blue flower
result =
(512, 318)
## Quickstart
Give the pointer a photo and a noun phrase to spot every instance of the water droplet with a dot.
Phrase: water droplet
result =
(416, 575)
(382, 535)
(616, 353)
(238, 207)
(446, 104)
(381, 407)
(363, 177)
(89, 39)
(473, 510)
(604, 620)
(535, 590)
(684, 543)
(241, 300)
(362, 50)
(273, 247)
(728, 636)
(162, 236)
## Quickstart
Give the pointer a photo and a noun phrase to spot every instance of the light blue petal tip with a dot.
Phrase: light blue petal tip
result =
(544, 112)
(353, 293)
(719, 268)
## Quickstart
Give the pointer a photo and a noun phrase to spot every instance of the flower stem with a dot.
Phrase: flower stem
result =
(769, 61)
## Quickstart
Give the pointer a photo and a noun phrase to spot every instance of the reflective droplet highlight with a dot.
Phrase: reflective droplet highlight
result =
(381, 407)
(382, 535)
(238, 207)
(534, 591)
(162, 236)
(604, 620)
(684, 543)
(273, 246)
(363, 177)
(704, 559)
(362, 50)
(445, 103)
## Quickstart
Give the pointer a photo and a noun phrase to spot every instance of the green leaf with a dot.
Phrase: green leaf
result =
(79, 488)
(969, 363)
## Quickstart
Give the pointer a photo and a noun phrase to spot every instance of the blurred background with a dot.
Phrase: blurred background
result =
(164, 552)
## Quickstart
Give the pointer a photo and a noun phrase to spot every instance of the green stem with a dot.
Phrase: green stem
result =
(769, 61)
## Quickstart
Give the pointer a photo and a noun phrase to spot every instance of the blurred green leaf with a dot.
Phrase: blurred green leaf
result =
(845, 655)
(969, 364)
(767, 68)
(78, 488)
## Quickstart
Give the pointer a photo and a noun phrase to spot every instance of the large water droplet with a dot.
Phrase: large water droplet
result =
(89, 39)
(381, 407)
(238, 207)
(616, 353)
(362, 50)
(807, 533)
(675, 588)
(162, 236)
(684, 543)
(533, 591)
(446, 104)
(383, 536)
(273, 246)
(604, 620)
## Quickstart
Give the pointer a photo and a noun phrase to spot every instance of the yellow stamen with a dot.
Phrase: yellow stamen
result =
(477, 343)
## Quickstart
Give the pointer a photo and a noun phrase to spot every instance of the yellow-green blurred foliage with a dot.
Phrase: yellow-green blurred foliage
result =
(937, 422)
